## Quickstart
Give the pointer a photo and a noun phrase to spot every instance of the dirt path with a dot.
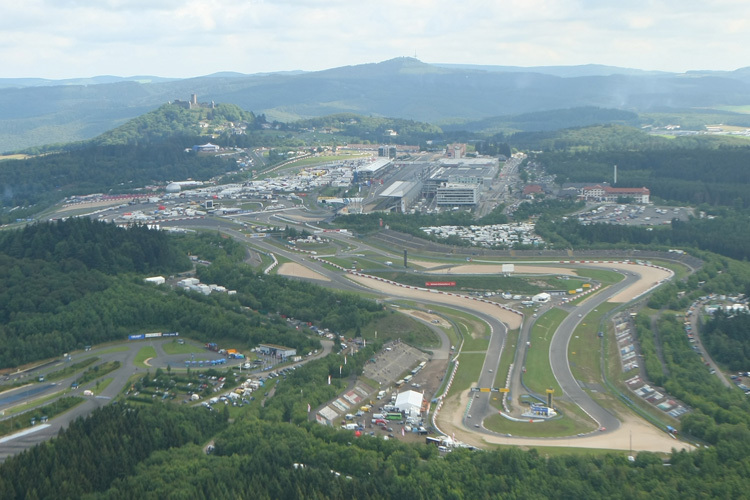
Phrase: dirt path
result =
(432, 318)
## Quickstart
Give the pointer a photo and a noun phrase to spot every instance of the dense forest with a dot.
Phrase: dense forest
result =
(339, 311)
(78, 282)
(727, 338)
(96, 245)
(688, 169)
(375, 130)
(727, 235)
(108, 445)
(117, 168)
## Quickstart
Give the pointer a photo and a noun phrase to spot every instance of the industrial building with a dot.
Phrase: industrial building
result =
(373, 170)
(613, 195)
(403, 194)
(473, 171)
(456, 150)
(277, 351)
(457, 194)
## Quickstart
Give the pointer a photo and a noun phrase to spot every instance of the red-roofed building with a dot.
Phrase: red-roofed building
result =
(610, 194)
(531, 190)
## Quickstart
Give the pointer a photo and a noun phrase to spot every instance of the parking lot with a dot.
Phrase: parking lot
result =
(392, 362)
(633, 215)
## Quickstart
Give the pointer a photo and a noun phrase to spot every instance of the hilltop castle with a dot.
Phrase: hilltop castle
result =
(193, 103)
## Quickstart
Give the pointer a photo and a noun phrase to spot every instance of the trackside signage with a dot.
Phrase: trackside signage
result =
(440, 283)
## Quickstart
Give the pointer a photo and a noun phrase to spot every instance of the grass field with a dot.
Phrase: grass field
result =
(584, 350)
(71, 369)
(538, 376)
(174, 347)
(554, 428)
(396, 325)
(24, 407)
(528, 285)
(601, 275)
(475, 332)
(144, 353)
(102, 384)
(119, 348)
(469, 368)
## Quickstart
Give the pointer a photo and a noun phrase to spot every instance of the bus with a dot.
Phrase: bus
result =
(393, 416)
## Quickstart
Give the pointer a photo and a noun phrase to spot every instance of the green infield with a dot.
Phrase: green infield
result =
(469, 369)
(538, 376)
(174, 347)
(557, 427)
(144, 353)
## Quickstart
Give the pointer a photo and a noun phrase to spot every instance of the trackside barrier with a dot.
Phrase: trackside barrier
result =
(440, 398)
(272, 266)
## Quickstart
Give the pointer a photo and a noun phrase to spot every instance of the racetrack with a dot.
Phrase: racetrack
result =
(512, 319)
(644, 436)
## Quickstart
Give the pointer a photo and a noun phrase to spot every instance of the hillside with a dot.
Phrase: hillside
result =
(401, 88)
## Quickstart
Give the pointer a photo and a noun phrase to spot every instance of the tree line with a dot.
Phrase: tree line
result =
(727, 234)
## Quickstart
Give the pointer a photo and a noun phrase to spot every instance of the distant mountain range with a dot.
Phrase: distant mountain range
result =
(38, 111)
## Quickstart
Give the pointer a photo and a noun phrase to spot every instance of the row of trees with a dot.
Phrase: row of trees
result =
(728, 234)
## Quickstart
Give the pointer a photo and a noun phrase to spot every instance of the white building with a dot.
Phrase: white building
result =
(541, 298)
(409, 402)
(458, 194)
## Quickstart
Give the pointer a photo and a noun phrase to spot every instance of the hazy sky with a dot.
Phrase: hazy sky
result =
(182, 38)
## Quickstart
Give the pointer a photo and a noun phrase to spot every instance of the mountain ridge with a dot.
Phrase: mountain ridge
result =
(399, 88)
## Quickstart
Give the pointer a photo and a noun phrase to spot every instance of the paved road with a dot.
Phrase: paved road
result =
(13, 444)
(702, 350)
(558, 355)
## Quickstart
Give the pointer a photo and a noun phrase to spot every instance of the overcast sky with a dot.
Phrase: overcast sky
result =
(183, 38)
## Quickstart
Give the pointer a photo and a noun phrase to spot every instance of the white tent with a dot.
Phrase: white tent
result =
(541, 297)
(409, 402)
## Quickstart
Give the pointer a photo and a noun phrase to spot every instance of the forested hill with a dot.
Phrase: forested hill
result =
(80, 282)
(44, 180)
(95, 245)
(173, 120)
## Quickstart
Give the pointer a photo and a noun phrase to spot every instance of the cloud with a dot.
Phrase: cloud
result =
(68, 38)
